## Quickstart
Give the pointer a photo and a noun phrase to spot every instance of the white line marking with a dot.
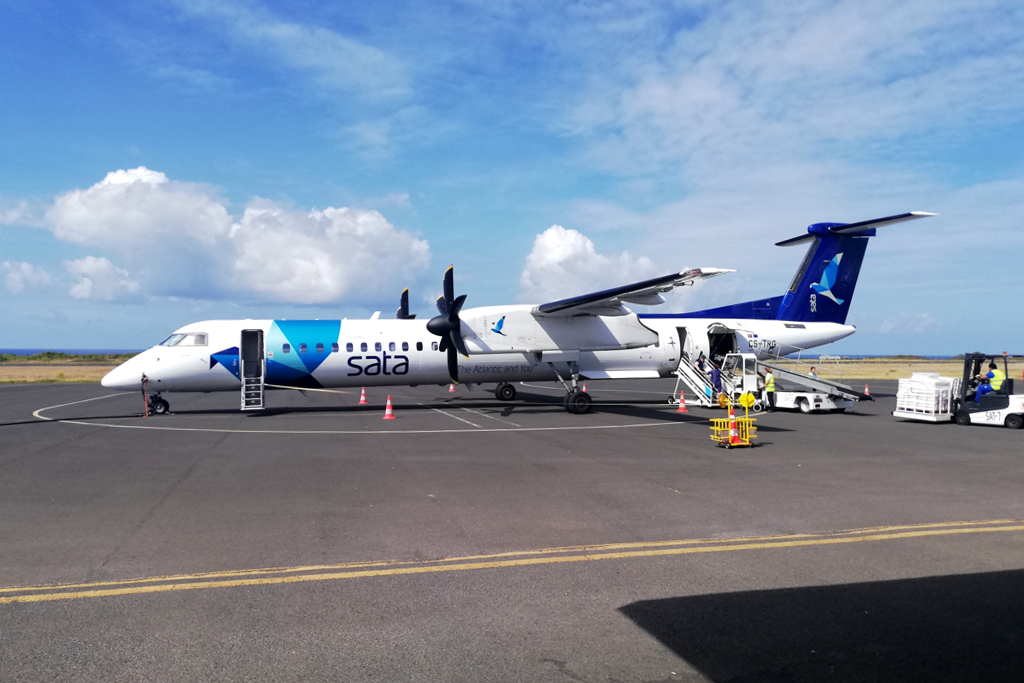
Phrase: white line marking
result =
(491, 417)
(454, 417)
(576, 428)
(36, 413)
(599, 389)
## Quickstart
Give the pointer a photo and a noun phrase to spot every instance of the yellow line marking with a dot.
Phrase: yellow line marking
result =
(540, 557)
(515, 553)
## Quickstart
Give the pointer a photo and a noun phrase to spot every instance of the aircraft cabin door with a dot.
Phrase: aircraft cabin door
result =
(253, 369)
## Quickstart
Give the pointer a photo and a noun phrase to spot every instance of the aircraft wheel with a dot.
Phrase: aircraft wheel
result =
(160, 407)
(805, 406)
(962, 418)
(1014, 421)
(578, 402)
(505, 392)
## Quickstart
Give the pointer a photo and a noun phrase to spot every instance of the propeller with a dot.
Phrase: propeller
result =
(403, 309)
(448, 326)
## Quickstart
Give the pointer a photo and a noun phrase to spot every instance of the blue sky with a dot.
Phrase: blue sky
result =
(166, 161)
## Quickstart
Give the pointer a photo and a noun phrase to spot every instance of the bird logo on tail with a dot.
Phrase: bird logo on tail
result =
(497, 327)
(828, 280)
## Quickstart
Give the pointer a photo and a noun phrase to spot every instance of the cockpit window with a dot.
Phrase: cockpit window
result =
(185, 339)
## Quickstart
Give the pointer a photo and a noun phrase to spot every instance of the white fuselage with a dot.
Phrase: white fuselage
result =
(354, 353)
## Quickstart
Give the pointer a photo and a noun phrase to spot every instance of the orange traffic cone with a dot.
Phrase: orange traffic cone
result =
(867, 392)
(584, 387)
(682, 403)
(451, 388)
(362, 397)
(389, 412)
(734, 431)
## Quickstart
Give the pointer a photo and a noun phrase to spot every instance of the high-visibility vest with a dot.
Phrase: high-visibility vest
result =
(997, 379)
(769, 382)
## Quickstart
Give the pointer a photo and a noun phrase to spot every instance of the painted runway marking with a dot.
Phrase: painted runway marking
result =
(491, 417)
(454, 417)
(38, 414)
(547, 556)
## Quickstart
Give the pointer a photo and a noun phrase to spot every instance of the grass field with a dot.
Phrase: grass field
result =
(872, 368)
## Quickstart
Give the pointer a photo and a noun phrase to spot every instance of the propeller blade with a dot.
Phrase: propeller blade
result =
(442, 305)
(449, 286)
(403, 307)
(458, 343)
(453, 364)
(457, 308)
(443, 345)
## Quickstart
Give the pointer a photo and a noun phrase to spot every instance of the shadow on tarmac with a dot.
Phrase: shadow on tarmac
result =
(936, 629)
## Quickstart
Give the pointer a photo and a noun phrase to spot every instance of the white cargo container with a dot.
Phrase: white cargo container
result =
(927, 396)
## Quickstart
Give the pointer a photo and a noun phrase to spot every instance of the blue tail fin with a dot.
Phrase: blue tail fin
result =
(822, 288)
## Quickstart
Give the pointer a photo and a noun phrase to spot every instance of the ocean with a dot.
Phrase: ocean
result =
(32, 352)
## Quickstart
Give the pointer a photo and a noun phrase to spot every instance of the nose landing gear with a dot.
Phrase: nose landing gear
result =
(157, 405)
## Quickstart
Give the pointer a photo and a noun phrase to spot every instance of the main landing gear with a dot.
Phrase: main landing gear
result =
(158, 406)
(576, 400)
(505, 392)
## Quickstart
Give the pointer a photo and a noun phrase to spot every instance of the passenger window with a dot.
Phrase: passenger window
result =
(334, 347)
(349, 347)
(286, 348)
(433, 346)
(419, 346)
(363, 347)
(302, 348)
(405, 346)
(377, 346)
(391, 346)
(319, 347)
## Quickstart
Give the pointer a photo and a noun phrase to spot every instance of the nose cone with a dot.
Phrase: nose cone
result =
(125, 377)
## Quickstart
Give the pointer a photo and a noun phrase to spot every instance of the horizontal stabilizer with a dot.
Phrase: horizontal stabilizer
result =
(860, 229)
(610, 301)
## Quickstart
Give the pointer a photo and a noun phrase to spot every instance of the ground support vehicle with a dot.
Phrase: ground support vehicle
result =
(744, 373)
(923, 397)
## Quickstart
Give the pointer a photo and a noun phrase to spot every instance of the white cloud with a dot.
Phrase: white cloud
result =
(565, 262)
(101, 280)
(917, 323)
(20, 214)
(334, 61)
(321, 256)
(178, 239)
(19, 275)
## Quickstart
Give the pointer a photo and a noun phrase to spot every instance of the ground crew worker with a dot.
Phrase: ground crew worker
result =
(769, 389)
(995, 378)
(716, 379)
(813, 373)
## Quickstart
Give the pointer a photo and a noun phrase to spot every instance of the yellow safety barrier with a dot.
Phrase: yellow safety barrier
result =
(735, 431)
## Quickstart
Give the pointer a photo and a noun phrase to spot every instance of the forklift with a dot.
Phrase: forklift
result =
(999, 407)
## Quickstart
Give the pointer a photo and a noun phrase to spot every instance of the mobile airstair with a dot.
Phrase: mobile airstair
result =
(696, 381)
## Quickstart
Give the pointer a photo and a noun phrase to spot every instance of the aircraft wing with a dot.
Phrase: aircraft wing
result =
(611, 301)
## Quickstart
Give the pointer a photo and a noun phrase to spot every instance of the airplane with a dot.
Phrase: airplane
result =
(593, 336)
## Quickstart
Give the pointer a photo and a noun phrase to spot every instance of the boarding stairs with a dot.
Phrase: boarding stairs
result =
(253, 370)
(696, 381)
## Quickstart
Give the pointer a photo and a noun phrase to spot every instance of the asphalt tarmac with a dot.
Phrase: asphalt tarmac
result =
(475, 540)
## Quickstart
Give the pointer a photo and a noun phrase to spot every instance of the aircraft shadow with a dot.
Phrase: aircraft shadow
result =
(936, 629)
